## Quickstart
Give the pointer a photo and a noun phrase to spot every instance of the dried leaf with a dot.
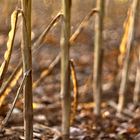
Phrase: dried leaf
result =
(125, 37)
(10, 42)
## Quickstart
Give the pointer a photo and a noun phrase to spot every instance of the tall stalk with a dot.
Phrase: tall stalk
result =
(124, 78)
(65, 68)
(27, 66)
(137, 81)
(137, 78)
(97, 56)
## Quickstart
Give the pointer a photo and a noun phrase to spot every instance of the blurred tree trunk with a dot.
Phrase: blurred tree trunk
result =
(97, 56)
(27, 66)
(65, 68)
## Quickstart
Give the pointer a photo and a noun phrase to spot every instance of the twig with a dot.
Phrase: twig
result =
(82, 25)
(45, 32)
(4, 122)
(47, 71)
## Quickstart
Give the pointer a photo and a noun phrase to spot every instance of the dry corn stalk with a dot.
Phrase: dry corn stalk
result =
(27, 66)
(5, 121)
(46, 71)
(128, 37)
(97, 68)
(65, 68)
(137, 81)
(45, 32)
(10, 42)
(82, 25)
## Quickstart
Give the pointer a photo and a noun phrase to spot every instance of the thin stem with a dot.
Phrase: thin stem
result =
(4, 122)
(27, 65)
(65, 68)
(97, 57)
(137, 82)
(130, 23)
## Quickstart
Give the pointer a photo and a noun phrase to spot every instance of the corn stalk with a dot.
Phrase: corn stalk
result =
(137, 78)
(97, 56)
(27, 66)
(137, 81)
(65, 68)
(127, 42)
